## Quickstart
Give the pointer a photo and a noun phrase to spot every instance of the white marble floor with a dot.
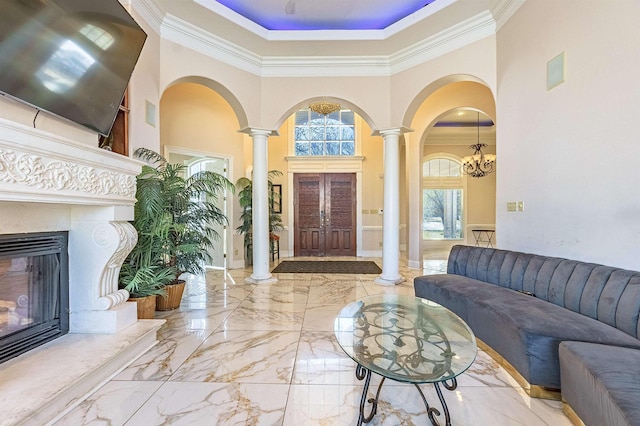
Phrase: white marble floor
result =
(243, 354)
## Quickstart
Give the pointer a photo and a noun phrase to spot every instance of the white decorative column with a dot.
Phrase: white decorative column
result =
(413, 163)
(391, 212)
(260, 209)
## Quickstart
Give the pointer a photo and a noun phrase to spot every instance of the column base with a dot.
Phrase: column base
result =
(389, 281)
(267, 280)
(414, 264)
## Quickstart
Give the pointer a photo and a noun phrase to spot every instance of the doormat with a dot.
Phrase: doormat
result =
(327, 267)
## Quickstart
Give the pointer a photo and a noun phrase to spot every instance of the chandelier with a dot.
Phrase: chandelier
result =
(324, 108)
(479, 164)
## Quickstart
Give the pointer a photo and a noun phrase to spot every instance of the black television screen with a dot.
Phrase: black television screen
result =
(72, 58)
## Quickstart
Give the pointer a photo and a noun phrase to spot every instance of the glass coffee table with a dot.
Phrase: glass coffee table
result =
(407, 339)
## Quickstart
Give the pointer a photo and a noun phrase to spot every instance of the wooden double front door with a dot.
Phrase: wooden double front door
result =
(324, 214)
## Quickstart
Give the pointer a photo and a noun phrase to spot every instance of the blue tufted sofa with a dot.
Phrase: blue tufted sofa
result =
(522, 306)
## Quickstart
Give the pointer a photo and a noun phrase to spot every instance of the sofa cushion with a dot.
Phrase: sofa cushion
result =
(524, 329)
(610, 295)
(601, 383)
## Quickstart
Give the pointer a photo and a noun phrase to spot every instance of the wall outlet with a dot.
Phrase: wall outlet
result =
(511, 206)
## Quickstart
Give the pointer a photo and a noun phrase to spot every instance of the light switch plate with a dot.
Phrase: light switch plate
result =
(511, 206)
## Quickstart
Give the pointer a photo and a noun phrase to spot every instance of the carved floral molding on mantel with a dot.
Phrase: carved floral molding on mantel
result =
(36, 172)
(38, 166)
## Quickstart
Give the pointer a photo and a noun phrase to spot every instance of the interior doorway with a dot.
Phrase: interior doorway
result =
(324, 214)
(198, 162)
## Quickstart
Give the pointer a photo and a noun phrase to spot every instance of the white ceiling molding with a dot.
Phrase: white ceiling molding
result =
(232, 16)
(193, 37)
(416, 17)
(504, 10)
(460, 35)
(149, 12)
(460, 139)
(326, 66)
(449, 40)
(292, 35)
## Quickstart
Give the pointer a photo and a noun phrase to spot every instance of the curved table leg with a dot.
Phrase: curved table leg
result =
(432, 412)
(365, 373)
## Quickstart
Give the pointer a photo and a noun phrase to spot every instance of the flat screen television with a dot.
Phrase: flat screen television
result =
(71, 58)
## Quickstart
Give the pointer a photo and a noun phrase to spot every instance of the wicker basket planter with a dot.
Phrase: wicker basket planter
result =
(173, 297)
(146, 306)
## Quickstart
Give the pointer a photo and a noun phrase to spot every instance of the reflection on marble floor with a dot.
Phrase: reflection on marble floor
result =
(241, 354)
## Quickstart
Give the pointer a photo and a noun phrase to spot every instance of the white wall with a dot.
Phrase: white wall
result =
(143, 89)
(570, 153)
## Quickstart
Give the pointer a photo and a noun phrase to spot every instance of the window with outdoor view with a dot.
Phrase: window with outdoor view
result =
(324, 135)
(442, 200)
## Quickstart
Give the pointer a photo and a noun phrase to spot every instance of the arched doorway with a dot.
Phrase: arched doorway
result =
(463, 202)
(454, 139)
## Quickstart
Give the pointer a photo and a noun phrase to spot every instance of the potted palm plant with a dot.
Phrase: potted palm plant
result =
(244, 186)
(189, 204)
(144, 274)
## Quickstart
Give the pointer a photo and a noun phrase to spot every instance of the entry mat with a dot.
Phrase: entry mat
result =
(327, 267)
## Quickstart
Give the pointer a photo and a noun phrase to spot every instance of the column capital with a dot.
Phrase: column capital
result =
(256, 131)
(392, 131)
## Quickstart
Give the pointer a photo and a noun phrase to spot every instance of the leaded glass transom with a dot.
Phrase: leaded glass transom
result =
(320, 135)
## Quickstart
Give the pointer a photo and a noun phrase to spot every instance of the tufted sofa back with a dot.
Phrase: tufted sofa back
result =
(607, 294)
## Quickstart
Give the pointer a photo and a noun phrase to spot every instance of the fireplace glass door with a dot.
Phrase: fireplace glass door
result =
(33, 291)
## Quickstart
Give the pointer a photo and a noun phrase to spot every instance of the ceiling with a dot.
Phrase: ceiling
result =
(349, 28)
(330, 28)
(305, 15)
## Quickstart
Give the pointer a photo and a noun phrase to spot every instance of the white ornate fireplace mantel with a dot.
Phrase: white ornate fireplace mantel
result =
(51, 183)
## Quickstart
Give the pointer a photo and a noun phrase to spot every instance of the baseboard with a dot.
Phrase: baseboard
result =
(370, 253)
(573, 416)
(533, 391)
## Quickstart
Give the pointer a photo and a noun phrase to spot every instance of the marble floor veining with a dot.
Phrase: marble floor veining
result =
(242, 354)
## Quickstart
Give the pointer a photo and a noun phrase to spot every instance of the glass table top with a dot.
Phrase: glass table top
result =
(405, 338)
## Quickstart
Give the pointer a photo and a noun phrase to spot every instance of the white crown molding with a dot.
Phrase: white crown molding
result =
(469, 31)
(149, 11)
(460, 139)
(460, 35)
(504, 10)
(473, 29)
(324, 35)
(234, 17)
(325, 66)
(193, 37)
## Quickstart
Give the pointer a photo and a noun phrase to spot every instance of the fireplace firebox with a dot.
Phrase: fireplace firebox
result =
(34, 291)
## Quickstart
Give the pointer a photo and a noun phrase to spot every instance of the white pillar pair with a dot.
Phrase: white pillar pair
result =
(391, 213)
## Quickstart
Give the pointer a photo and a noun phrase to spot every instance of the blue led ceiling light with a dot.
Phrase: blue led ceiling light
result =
(325, 14)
